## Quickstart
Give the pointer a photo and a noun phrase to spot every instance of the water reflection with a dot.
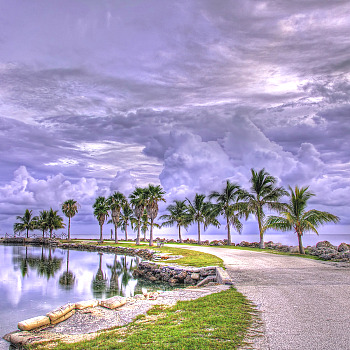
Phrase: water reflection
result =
(67, 279)
(45, 266)
(35, 280)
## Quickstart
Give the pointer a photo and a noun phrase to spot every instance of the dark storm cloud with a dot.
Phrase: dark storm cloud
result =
(101, 96)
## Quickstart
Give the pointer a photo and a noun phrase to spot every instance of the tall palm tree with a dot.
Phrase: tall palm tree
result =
(26, 222)
(154, 195)
(116, 202)
(99, 281)
(201, 211)
(227, 205)
(297, 218)
(125, 217)
(264, 194)
(138, 201)
(42, 221)
(101, 209)
(178, 213)
(69, 208)
(54, 221)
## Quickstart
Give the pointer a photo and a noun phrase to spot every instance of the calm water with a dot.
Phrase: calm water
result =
(35, 280)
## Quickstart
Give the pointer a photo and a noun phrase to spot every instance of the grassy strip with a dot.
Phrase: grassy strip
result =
(266, 250)
(216, 321)
(190, 257)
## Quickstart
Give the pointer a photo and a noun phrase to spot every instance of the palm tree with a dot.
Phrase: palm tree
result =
(297, 218)
(101, 212)
(227, 205)
(154, 195)
(145, 223)
(263, 194)
(201, 212)
(178, 213)
(116, 202)
(138, 200)
(42, 221)
(26, 222)
(54, 221)
(70, 208)
(125, 217)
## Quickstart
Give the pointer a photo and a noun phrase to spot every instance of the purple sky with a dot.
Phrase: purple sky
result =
(97, 96)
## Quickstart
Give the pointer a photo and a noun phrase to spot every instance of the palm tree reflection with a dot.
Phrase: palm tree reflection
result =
(67, 279)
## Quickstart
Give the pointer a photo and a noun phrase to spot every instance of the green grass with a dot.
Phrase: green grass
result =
(266, 250)
(190, 257)
(216, 321)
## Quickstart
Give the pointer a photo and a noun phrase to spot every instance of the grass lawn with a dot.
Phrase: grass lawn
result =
(216, 321)
(190, 257)
(266, 250)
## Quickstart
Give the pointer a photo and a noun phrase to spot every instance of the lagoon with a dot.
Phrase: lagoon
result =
(36, 280)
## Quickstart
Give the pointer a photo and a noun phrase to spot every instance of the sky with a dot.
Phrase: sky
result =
(103, 96)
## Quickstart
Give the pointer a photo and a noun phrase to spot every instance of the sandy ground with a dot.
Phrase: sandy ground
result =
(304, 303)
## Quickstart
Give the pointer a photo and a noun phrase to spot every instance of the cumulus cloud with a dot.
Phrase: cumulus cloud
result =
(186, 94)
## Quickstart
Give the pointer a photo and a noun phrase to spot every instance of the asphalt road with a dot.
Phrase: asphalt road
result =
(304, 303)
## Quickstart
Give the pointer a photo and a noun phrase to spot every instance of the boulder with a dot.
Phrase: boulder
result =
(32, 323)
(343, 247)
(325, 244)
(113, 303)
(85, 304)
(60, 312)
(195, 276)
(63, 318)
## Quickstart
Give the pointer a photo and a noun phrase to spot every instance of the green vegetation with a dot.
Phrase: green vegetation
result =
(26, 222)
(296, 217)
(69, 208)
(116, 202)
(216, 321)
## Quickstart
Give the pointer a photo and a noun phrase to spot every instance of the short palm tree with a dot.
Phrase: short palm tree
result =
(264, 194)
(42, 221)
(116, 202)
(101, 209)
(69, 208)
(178, 213)
(201, 211)
(154, 195)
(227, 204)
(138, 201)
(297, 218)
(54, 221)
(125, 217)
(26, 223)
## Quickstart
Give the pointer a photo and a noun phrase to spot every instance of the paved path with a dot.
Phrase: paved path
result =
(305, 303)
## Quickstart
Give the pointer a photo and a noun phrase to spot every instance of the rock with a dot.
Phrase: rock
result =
(294, 249)
(85, 304)
(343, 247)
(325, 244)
(195, 276)
(60, 312)
(34, 322)
(114, 302)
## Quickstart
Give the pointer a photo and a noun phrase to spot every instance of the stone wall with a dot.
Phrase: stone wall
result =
(176, 275)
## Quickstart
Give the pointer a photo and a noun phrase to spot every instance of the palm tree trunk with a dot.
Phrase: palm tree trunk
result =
(68, 228)
(51, 229)
(301, 248)
(228, 232)
(180, 238)
(199, 232)
(126, 231)
(138, 232)
(101, 238)
(43, 233)
(27, 232)
(262, 243)
(116, 232)
(151, 234)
